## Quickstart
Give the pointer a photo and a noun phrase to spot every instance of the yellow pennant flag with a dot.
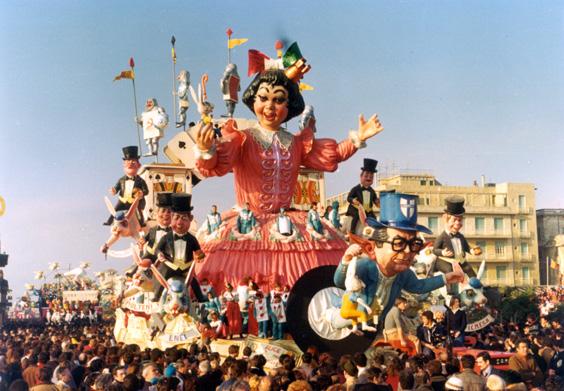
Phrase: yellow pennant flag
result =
(231, 43)
(130, 74)
(173, 55)
(305, 87)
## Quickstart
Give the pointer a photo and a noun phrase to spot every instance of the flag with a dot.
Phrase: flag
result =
(231, 43)
(256, 62)
(554, 264)
(130, 74)
(305, 87)
(173, 53)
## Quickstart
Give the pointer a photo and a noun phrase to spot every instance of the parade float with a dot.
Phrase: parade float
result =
(280, 260)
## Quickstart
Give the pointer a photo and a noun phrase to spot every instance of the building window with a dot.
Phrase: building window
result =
(526, 273)
(524, 249)
(522, 202)
(433, 223)
(480, 224)
(423, 182)
(499, 248)
(500, 273)
(523, 226)
(482, 245)
(498, 224)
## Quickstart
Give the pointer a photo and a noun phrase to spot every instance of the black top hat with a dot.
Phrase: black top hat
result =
(455, 206)
(130, 152)
(181, 202)
(369, 165)
(164, 199)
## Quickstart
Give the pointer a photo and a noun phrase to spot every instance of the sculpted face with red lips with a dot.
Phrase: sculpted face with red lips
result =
(271, 106)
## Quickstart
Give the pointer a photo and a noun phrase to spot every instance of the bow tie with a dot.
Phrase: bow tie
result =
(180, 237)
(130, 178)
(455, 235)
(366, 189)
(162, 229)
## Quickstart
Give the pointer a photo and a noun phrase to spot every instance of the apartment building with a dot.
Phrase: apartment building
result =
(500, 218)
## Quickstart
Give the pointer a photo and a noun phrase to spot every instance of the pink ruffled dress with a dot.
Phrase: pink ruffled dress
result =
(265, 166)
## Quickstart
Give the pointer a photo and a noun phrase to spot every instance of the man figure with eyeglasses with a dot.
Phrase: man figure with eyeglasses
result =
(388, 249)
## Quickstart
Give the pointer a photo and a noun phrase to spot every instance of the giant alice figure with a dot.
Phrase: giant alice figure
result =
(265, 160)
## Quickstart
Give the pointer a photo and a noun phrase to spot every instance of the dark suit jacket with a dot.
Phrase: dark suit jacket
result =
(356, 192)
(166, 246)
(150, 238)
(445, 241)
(138, 183)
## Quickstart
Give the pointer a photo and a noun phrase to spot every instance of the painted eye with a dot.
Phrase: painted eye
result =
(262, 98)
(280, 100)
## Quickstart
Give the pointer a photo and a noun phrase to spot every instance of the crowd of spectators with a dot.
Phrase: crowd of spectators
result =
(84, 356)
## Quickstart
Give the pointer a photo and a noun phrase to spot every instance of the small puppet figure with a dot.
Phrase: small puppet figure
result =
(205, 108)
(177, 250)
(333, 215)
(451, 244)
(216, 324)
(278, 318)
(243, 292)
(211, 305)
(362, 198)
(232, 312)
(314, 224)
(154, 120)
(246, 224)
(283, 229)
(124, 224)
(182, 93)
(213, 220)
(129, 184)
(308, 119)
(261, 314)
(206, 287)
(230, 85)
(356, 303)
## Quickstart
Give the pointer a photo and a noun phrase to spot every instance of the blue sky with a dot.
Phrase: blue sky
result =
(462, 88)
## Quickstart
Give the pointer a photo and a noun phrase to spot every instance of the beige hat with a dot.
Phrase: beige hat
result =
(454, 383)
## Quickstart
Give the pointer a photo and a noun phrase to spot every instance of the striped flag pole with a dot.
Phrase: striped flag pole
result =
(132, 65)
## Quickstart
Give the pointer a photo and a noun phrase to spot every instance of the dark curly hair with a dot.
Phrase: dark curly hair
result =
(276, 77)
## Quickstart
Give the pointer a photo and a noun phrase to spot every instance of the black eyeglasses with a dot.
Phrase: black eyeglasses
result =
(399, 244)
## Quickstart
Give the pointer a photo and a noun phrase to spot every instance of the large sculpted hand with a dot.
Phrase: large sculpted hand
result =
(204, 137)
(457, 275)
(367, 129)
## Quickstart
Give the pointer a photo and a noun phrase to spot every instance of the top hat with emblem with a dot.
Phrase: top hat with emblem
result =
(369, 165)
(130, 153)
(455, 206)
(164, 199)
(399, 211)
(181, 202)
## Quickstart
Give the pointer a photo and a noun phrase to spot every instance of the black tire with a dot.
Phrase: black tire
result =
(297, 316)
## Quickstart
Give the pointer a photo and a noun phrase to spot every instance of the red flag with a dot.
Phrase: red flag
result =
(131, 62)
(256, 62)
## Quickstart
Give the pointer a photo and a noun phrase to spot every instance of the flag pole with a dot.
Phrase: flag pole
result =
(173, 53)
(229, 32)
(132, 65)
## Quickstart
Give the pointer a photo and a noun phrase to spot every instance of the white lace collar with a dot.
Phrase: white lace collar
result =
(266, 137)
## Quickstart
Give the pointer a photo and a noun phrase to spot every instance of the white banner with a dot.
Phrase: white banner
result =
(91, 296)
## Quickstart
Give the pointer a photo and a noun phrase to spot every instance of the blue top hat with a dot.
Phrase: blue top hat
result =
(399, 211)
